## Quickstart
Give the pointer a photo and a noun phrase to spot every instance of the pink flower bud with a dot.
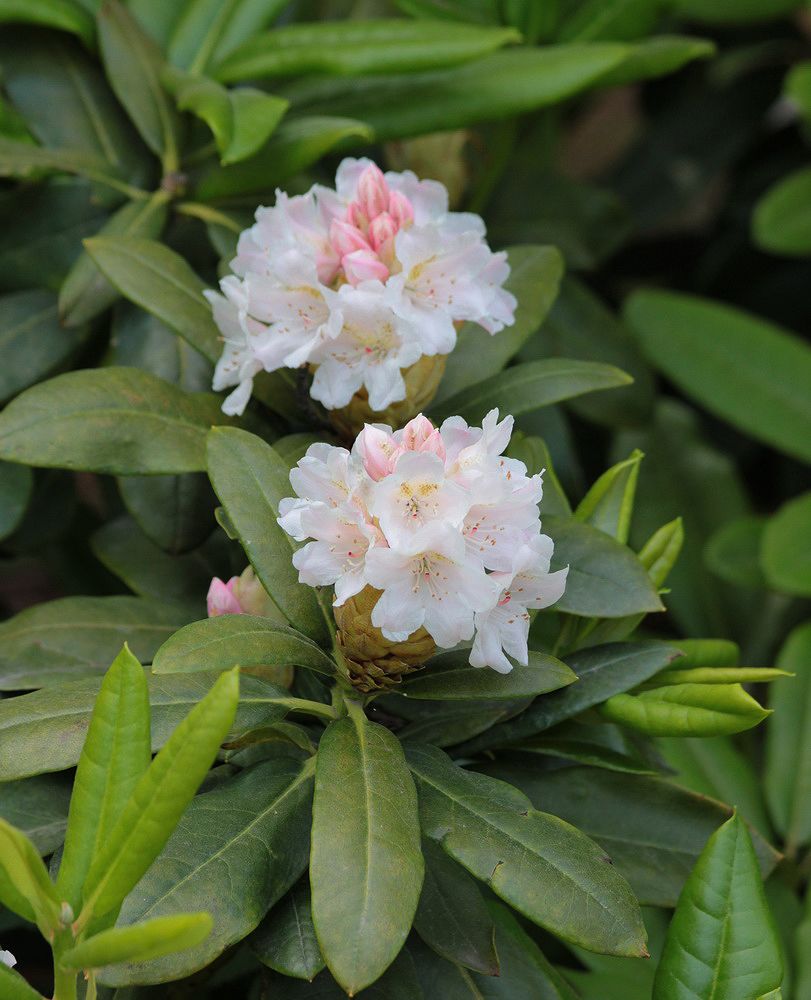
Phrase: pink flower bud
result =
(221, 599)
(382, 231)
(373, 192)
(364, 265)
(346, 238)
(401, 210)
(378, 451)
(420, 434)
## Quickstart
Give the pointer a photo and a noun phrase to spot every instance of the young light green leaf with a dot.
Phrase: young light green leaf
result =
(609, 503)
(543, 867)
(366, 867)
(122, 421)
(250, 480)
(450, 676)
(722, 944)
(786, 550)
(14, 987)
(782, 219)
(115, 755)
(238, 640)
(139, 942)
(285, 940)
(533, 452)
(23, 873)
(743, 369)
(528, 387)
(64, 15)
(718, 675)
(159, 798)
(687, 710)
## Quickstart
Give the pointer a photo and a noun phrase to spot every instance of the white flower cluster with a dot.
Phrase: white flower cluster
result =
(439, 521)
(358, 282)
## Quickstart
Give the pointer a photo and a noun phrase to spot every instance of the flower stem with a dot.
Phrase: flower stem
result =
(64, 982)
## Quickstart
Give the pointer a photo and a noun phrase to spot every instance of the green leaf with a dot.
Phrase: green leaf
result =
(159, 798)
(687, 710)
(15, 987)
(398, 983)
(250, 479)
(610, 20)
(734, 11)
(366, 867)
(38, 807)
(296, 145)
(606, 579)
(722, 943)
(499, 86)
(236, 851)
(238, 640)
(23, 873)
(77, 636)
(452, 917)
(733, 552)
(653, 830)
(741, 368)
(116, 420)
(357, 48)
(609, 503)
(156, 18)
(535, 275)
(718, 675)
(64, 15)
(16, 486)
(707, 653)
(657, 56)
(115, 755)
(86, 292)
(529, 386)
(782, 220)
(532, 451)
(786, 550)
(788, 751)
(21, 159)
(602, 672)
(160, 281)
(797, 87)
(209, 29)
(134, 64)
(138, 943)
(450, 676)
(543, 867)
(285, 940)
(174, 512)
(45, 730)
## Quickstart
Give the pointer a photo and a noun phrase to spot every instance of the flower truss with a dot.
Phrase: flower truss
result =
(440, 522)
(358, 283)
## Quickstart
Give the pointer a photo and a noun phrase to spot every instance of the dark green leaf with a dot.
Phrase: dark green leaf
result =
(610, 20)
(733, 552)
(16, 484)
(723, 11)
(175, 512)
(657, 56)
(782, 220)
(39, 807)
(786, 551)
(450, 676)
(209, 29)
(285, 940)
(65, 15)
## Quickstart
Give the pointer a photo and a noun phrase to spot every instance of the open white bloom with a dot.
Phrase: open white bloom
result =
(440, 522)
(358, 282)
(6, 958)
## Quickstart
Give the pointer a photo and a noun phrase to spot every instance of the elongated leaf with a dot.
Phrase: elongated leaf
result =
(452, 917)
(116, 420)
(79, 636)
(285, 940)
(535, 275)
(86, 292)
(356, 48)
(238, 640)
(15, 987)
(45, 730)
(610, 20)
(657, 56)
(160, 281)
(38, 807)
(530, 386)
(398, 983)
(115, 755)
(208, 29)
(449, 675)
(687, 710)
(609, 503)
(602, 671)
(653, 830)
(733, 552)
(533, 452)
(140, 942)
(174, 512)
(66, 15)
(23, 873)
(160, 797)
(21, 159)
(366, 867)
(542, 866)
(32, 340)
(743, 369)
(250, 479)
(16, 486)
(782, 220)
(606, 579)
(722, 944)
(236, 851)
(788, 753)
(785, 555)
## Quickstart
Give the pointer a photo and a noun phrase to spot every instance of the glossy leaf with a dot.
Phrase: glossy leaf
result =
(686, 710)
(366, 867)
(64, 15)
(285, 940)
(449, 675)
(140, 942)
(609, 503)
(540, 865)
(159, 798)
(250, 479)
(731, 363)
(38, 807)
(721, 944)
(786, 550)
(116, 420)
(114, 757)
(528, 387)
(238, 640)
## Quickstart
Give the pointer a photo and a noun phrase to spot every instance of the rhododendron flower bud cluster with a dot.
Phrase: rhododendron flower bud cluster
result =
(358, 283)
(440, 522)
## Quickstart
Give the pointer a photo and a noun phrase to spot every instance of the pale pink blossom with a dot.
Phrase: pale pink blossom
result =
(222, 599)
